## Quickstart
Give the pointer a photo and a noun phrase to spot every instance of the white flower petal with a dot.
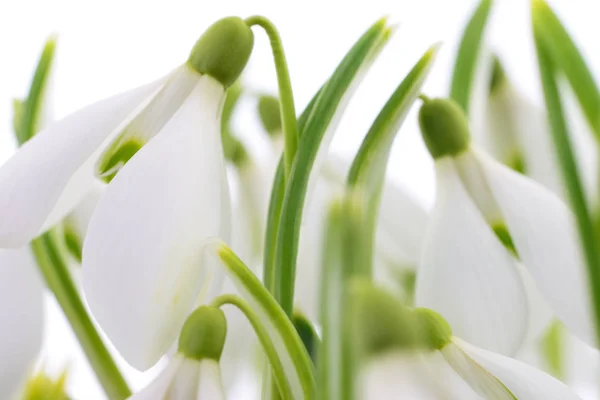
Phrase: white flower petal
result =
(253, 205)
(544, 233)
(467, 275)
(540, 315)
(403, 375)
(481, 381)
(310, 252)
(142, 261)
(21, 318)
(524, 381)
(158, 388)
(401, 227)
(150, 120)
(535, 139)
(33, 180)
(75, 224)
(210, 385)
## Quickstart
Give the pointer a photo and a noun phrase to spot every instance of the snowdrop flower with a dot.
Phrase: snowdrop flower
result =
(143, 269)
(52, 172)
(495, 239)
(414, 354)
(194, 372)
(22, 319)
(516, 132)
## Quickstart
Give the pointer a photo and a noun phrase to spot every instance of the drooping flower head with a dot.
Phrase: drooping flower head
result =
(496, 241)
(143, 269)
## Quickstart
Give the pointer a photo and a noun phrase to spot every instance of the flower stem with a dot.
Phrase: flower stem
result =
(267, 344)
(286, 97)
(58, 279)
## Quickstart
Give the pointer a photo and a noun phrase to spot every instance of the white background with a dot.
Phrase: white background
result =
(108, 46)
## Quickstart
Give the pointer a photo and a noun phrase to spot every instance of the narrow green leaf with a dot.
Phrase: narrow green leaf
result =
(570, 174)
(567, 58)
(329, 104)
(293, 356)
(463, 77)
(32, 106)
(369, 166)
(275, 206)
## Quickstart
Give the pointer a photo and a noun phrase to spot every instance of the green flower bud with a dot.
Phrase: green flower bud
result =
(203, 334)
(223, 50)
(270, 114)
(444, 127)
(434, 329)
(382, 323)
(498, 78)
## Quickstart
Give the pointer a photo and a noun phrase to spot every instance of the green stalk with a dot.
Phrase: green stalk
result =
(263, 338)
(286, 96)
(570, 174)
(57, 276)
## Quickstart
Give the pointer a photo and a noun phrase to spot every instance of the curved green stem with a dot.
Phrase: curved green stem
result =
(286, 97)
(263, 337)
(56, 274)
(290, 348)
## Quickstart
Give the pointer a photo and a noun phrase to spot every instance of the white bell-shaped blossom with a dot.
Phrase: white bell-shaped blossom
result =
(54, 170)
(143, 269)
(21, 319)
(142, 259)
(185, 379)
(419, 357)
(495, 237)
(458, 371)
(516, 132)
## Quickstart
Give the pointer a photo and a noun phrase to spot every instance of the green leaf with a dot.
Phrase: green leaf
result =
(369, 166)
(463, 77)
(275, 206)
(30, 109)
(329, 105)
(568, 167)
(567, 58)
(294, 358)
